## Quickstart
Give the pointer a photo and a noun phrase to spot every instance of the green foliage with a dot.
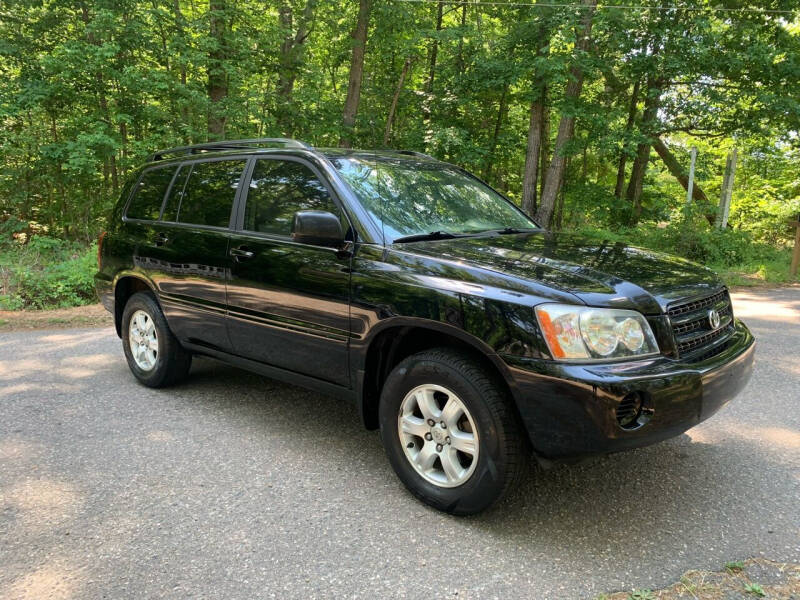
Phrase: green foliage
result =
(754, 589)
(734, 566)
(642, 595)
(738, 255)
(90, 89)
(46, 273)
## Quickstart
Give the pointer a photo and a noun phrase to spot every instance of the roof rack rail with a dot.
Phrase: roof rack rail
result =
(230, 145)
(414, 153)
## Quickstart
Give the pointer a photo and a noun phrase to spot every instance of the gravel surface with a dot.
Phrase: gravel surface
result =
(236, 486)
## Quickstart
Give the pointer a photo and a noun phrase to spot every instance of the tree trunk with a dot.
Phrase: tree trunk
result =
(460, 58)
(532, 155)
(179, 28)
(387, 133)
(432, 57)
(639, 169)
(678, 173)
(359, 36)
(217, 78)
(623, 157)
(559, 216)
(498, 126)
(290, 58)
(545, 150)
(566, 127)
(101, 97)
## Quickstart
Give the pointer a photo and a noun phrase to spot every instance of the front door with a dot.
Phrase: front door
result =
(288, 303)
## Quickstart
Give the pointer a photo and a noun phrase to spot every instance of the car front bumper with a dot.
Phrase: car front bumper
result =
(570, 410)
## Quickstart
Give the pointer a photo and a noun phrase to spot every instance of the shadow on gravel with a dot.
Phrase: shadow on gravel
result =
(682, 488)
(247, 457)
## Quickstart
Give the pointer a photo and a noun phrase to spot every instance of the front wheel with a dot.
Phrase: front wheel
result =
(154, 355)
(450, 431)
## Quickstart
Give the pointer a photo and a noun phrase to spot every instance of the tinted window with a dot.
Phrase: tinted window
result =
(278, 189)
(209, 193)
(146, 203)
(176, 194)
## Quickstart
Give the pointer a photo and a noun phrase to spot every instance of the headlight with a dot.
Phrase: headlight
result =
(582, 332)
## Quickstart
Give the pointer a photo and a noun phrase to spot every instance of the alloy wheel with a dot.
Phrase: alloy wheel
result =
(143, 340)
(438, 435)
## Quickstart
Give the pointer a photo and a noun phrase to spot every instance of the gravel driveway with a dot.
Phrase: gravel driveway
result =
(236, 486)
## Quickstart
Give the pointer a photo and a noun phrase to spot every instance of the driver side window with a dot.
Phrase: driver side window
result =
(277, 190)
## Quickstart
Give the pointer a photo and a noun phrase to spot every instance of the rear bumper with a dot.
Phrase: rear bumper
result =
(570, 410)
(104, 287)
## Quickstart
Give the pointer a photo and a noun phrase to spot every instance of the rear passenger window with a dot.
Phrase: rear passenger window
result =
(149, 194)
(209, 193)
(277, 190)
(175, 194)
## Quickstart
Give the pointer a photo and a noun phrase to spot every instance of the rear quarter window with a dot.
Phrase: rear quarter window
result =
(149, 194)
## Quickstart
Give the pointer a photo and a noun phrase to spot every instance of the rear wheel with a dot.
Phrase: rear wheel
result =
(154, 355)
(450, 431)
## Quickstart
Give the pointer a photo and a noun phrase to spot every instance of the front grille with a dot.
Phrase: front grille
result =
(695, 339)
(695, 305)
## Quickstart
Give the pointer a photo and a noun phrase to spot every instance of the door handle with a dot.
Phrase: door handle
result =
(161, 239)
(241, 252)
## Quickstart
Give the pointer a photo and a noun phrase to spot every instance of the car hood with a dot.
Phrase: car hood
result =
(600, 273)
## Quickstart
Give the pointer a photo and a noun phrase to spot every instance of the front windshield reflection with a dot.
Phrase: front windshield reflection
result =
(418, 197)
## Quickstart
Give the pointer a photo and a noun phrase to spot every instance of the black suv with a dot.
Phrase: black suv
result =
(466, 333)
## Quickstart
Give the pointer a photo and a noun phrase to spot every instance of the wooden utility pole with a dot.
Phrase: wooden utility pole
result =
(727, 191)
(796, 254)
(690, 186)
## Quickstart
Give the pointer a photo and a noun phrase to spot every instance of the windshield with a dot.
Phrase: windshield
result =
(411, 198)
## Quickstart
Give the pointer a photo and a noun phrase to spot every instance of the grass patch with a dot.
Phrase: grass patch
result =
(755, 589)
(93, 315)
(756, 578)
(46, 273)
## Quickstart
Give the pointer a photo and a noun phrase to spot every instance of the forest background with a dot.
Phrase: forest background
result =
(584, 114)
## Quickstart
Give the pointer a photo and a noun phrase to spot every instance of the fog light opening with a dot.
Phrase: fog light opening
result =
(632, 412)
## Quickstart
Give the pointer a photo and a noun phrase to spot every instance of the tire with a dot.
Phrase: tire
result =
(457, 482)
(169, 363)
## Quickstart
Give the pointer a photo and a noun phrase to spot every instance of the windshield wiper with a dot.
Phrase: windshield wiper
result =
(420, 237)
(508, 230)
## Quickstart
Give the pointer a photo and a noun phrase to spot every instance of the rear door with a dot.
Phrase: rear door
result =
(192, 261)
(288, 303)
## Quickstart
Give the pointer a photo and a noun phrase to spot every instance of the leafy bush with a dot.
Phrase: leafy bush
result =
(46, 273)
(732, 252)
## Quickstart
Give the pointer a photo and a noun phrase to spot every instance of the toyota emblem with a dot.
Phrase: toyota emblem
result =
(713, 319)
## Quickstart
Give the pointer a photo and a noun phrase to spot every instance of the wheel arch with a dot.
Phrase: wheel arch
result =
(125, 286)
(399, 338)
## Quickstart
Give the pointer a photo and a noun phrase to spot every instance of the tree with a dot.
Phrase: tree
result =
(217, 76)
(359, 36)
(566, 127)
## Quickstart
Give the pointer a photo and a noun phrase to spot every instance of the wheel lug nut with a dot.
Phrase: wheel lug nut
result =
(439, 447)
(447, 439)
(431, 422)
(428, 436)
(443, 425)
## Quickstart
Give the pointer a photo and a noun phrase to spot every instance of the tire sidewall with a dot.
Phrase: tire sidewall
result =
(145, 302)
(487, 481)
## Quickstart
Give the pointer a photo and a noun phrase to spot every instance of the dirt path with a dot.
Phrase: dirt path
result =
(755, 578)
(93, 315)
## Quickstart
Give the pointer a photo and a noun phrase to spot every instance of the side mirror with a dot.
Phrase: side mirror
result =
(318, 228)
